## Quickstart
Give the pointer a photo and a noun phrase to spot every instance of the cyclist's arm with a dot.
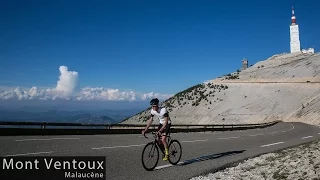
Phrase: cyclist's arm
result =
(149, 122)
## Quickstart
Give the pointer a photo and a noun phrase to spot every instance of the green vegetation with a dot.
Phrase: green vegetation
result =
(195, 94)
(192, 96)
(169, 105)
(182, 93)
(234, 76)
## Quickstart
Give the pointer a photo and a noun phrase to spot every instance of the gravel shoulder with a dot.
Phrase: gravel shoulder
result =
(301, 163)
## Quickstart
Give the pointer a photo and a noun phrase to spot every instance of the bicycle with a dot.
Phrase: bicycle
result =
(157, 144)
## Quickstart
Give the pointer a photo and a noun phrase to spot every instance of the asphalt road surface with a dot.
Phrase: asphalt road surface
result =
(202, 152)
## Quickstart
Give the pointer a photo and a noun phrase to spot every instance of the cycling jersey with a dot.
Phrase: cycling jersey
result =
(161, 114)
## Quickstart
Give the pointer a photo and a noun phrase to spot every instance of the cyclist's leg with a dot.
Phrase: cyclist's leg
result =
(159, 127)
(164, 134)
(164, 140)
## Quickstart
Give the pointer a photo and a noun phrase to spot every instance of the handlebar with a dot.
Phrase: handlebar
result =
(144, 134)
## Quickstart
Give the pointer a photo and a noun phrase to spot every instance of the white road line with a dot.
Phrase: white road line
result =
(112, 147)
(256, 135)
(307, 137)
(283, 131)
(46, 139)
(289, 129)
(292, 127)
(137, 145)
(32, 139)
(65, 138)
(274, 133)
(166, 166)
(196, 140)
(271, 144)
(30, 153)
(229, 138)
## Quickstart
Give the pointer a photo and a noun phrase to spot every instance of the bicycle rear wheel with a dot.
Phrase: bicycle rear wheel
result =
(150, 156)
(175, 152)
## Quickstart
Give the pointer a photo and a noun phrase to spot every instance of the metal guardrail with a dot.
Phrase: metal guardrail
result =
(109, 126)
(48, 128)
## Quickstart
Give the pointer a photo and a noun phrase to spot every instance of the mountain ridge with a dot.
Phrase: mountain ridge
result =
(284, 87)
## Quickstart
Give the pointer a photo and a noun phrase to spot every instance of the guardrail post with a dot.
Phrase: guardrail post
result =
(43, 127)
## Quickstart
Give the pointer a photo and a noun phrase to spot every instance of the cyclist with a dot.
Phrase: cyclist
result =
(165, 123)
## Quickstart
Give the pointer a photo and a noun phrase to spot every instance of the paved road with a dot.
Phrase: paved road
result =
(202, 152)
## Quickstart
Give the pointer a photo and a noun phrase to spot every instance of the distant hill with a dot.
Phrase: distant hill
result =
(56, 116)
(283, 87)
(100, 116)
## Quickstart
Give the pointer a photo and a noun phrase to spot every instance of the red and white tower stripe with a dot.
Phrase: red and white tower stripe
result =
(293, 18)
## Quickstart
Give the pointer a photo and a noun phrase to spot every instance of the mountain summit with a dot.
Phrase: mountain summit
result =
(283, 87)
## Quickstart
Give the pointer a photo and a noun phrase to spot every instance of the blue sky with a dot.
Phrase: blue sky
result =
(144, 46)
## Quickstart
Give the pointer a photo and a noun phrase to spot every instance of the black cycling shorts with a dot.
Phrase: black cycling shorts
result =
(166, 130)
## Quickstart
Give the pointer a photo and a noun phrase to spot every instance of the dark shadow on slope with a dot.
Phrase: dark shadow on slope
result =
(210, 157)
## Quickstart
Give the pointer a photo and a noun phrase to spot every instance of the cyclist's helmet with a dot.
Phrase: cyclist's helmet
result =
(154, 101)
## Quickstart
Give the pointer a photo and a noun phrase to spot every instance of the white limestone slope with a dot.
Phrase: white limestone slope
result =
(293, 67)
(283, 87)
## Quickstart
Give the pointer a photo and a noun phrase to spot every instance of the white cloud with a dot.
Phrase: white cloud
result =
(67, 81)
(65, 89)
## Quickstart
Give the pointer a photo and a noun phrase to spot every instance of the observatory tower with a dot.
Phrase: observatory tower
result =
(294, 34)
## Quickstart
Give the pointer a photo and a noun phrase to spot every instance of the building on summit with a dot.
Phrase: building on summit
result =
(294, 37)
(244, 64)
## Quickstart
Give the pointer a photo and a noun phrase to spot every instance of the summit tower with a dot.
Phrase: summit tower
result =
(294, 34)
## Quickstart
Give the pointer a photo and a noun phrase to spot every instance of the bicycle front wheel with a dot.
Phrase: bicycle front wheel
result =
(150, 156)
(175, 152)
